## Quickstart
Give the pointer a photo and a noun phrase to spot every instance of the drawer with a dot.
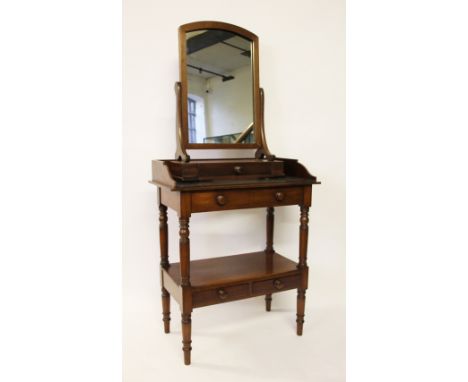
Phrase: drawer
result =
(248, 198)
(219, 295)
(276, 285)
(265, 168)
(219, 169)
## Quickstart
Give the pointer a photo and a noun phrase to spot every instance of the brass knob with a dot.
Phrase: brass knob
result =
(238, 170)
(278, 284)
(279, 196)
(222, 294)
(221, 200)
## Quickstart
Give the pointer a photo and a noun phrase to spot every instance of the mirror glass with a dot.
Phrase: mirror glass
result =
(220, 87)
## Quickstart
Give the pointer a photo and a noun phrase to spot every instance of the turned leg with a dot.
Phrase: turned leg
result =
(163, 236)
(186, 336)
(166, 307)
(300, 310)
(163, 241)
(184, 249)
(270, 220)
(303, 235)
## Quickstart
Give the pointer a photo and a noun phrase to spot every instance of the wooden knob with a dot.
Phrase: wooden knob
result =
(221, 200)
(222, 294)
(279, 196)
(278, 284)
(238, 170)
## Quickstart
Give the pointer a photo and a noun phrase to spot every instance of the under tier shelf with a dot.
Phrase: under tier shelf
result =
(227, 270)
(230, 278)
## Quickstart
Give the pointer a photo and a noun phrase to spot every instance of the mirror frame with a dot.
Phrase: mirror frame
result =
(182, 134)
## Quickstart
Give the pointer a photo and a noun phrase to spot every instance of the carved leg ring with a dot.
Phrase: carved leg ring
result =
(300, 310)
(186, 336)
(166, 307)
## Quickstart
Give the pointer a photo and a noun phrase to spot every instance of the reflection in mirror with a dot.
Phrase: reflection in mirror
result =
(220, 90)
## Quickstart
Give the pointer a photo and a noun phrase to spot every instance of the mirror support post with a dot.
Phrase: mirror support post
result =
(181, 153)
(263, 151)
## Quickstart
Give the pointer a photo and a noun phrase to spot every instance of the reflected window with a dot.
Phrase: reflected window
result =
(192, 116)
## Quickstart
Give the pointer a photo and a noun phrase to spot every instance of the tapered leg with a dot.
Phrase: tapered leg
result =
(303, 236)
(186, 336)
(268, 302)
(166, 307)
(300, 310)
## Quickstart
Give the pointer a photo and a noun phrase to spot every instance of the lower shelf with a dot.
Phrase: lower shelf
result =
(231, 278)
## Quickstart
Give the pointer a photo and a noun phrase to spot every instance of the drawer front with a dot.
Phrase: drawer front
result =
(261, 169)
(225, 169)
(276, 285)
(226, 200)
(219, 295)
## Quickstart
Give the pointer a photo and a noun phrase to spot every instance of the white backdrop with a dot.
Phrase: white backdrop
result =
(302, 69)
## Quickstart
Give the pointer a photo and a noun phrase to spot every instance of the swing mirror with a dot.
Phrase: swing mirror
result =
(219, 86)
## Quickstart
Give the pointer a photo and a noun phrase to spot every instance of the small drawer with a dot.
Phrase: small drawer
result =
(276, 285)
(225, 169)
(279, 196)
(219, 295)
(247, 198)
(258, 168)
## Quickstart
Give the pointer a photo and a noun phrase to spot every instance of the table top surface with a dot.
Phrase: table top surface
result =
(220, 184)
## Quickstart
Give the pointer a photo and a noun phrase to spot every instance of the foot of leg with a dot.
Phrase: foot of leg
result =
(268, 302)
(300, 310)
(186, 336)
(166, 304)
